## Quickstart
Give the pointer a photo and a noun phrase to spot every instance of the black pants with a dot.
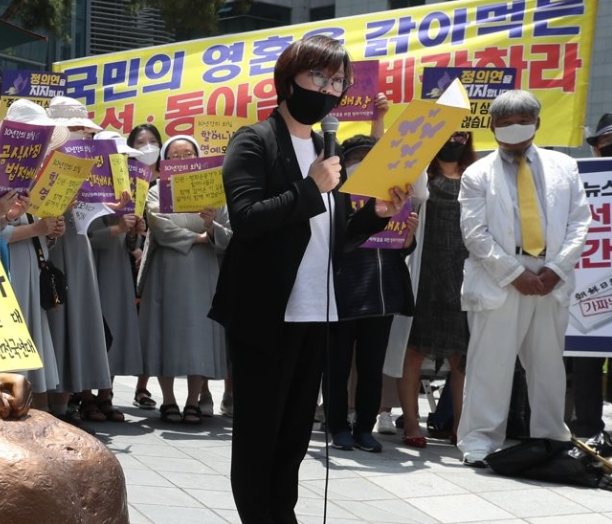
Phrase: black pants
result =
(367, 338)
(276, 387)
(587, 373)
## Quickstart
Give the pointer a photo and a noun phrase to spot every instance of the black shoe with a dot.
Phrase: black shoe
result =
(399, 422)
(72, 417)
(475, 463)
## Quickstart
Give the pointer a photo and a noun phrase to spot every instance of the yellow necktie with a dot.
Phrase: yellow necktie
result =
(531, 226)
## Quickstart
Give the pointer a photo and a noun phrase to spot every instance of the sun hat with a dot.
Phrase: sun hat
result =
(121, 141)
(70, 112)
(604, 127)
(27, 112)
(167, 143)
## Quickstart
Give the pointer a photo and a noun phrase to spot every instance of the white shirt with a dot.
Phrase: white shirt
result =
(309, 299)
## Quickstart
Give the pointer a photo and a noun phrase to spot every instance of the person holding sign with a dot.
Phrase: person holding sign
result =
(439, 328)
(524, 220)
(275, 295)
(177, 278)
(77, 327)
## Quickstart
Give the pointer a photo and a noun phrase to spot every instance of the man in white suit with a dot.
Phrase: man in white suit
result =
(517, 302)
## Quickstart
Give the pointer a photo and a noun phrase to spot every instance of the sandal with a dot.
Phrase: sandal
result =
(192, 415)
(143, 400)
(90, 411)
(170, 413)
(111, 413)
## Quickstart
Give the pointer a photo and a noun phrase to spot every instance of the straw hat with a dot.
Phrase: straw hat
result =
(604, 127)
(121, 141)
(27, 112)
(70, 112)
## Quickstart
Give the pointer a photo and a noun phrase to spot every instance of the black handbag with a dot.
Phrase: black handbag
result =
(53, 286)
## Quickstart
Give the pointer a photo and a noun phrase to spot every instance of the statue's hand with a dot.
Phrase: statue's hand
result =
(16, 392)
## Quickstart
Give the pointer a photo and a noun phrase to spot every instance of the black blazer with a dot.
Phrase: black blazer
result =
(270, 204)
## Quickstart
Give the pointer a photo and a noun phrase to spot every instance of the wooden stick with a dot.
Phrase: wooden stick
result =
(607, 465)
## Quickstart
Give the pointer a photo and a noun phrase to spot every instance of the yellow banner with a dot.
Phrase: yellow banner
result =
(121, 176)
(17, 350)
(58, 183)
(548, 43)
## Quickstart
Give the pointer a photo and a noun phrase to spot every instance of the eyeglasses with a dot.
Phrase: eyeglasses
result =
(339, 85)
(460, 137)
(186, 154)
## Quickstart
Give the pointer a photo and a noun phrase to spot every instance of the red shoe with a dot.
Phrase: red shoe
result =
(414, 442)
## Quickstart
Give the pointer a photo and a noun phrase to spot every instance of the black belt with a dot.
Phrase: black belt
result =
(519, 251)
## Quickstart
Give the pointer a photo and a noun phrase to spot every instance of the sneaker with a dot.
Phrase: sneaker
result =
(384, 424)
(227, 405)
(367, 442)
(343, 440)
(206, 405)
(475, 463)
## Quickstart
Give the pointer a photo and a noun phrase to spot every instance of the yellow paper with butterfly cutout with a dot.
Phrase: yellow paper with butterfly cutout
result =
(411, 142)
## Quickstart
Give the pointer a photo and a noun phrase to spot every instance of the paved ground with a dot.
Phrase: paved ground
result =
(178, 474)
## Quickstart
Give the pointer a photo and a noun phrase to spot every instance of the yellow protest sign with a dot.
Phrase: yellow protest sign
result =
(142, 188)
(213, 132)
(17, 350)
(121, 176)
(58, 183)
(404, 151)
(194, 191)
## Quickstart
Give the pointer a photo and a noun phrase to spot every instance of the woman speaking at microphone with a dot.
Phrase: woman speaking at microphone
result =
(275, 295)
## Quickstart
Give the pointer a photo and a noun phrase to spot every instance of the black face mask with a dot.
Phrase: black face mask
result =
(308, 107)
(606, 150)
(451, 152)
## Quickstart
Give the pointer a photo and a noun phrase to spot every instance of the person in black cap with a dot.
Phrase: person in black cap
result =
(601, 141)
(587, 371)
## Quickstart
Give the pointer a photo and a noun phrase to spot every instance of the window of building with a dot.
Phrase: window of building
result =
(399, 4)
(326, 12)
(260, 15)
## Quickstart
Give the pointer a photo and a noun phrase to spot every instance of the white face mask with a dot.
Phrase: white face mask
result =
(77, 135)
(515, 133)
(150, 154)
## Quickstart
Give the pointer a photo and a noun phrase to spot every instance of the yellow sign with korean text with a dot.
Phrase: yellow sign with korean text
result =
(121, 176)
(213, 132)
(548, 43)
(17, 350)
(193, 192)
(404, 151)
(140, 198)
(58, 183)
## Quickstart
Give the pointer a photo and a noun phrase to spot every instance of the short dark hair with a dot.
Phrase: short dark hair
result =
(314, 52)
(357, 142)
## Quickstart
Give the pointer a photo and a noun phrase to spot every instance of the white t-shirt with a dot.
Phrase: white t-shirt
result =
(308, 301)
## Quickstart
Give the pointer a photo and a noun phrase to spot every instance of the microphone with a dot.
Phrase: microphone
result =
(329, 126)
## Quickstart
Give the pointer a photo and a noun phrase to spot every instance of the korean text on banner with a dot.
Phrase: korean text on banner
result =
(404, 151)
(17, 350)
(38, 86)
(58, 183)
(213, 132)
(549, 43)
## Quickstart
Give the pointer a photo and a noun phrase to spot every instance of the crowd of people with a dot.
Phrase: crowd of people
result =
(274, 294)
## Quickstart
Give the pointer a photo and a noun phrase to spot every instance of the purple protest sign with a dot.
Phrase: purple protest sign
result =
(169, 168)
(358, 103)
(394, 235)
(22, 151)
(99, 184)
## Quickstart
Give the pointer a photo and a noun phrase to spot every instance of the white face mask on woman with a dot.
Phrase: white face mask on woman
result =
(515, 133)
(150, 154)
(77, 135)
